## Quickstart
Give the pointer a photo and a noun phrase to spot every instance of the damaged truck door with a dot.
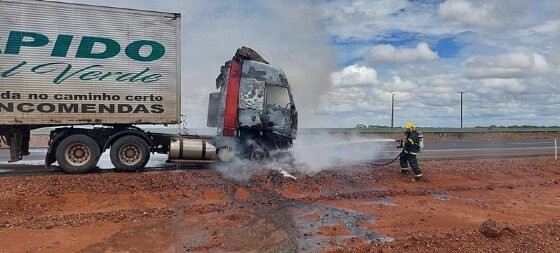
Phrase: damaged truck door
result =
(278, 109)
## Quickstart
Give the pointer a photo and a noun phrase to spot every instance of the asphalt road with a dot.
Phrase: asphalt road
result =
(385, 150)
(487, 148)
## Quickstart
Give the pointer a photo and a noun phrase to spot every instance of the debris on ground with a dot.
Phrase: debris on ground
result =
(490, 229)
(287, 174)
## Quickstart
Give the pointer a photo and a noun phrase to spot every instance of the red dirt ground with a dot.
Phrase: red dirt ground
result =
(348, 209)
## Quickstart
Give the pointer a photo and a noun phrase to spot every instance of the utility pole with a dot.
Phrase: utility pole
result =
(462, 92)
(393, 111)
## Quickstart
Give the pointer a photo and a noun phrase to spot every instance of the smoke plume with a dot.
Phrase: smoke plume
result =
(313, 153)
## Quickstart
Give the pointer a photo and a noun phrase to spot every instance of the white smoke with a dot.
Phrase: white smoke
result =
(317, 152)
(285, 33)
(313, 153)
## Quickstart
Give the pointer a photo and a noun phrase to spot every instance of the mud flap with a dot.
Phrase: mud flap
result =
(50, 157)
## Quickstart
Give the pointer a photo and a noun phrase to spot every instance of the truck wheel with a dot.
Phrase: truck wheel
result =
(257, 152)
(77, 154)
(130, 153)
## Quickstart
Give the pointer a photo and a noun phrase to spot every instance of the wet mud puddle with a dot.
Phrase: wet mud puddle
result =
(321, 226)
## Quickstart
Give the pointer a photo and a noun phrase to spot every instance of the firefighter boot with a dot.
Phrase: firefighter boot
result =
(404, 164)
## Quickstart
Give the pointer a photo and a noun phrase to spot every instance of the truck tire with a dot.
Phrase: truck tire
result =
(257, 152)
(77, 154)
(130, 153)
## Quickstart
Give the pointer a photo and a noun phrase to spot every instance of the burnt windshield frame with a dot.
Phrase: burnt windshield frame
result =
(288, 106)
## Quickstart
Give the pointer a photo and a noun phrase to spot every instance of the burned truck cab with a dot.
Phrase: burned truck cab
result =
(266, 102)
(254, 107)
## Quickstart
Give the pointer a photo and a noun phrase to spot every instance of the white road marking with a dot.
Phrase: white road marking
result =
(25, 162)
(529, 143)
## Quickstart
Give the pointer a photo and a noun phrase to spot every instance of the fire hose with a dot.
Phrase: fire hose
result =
(384, 164)
(400, 146)
(392, 161)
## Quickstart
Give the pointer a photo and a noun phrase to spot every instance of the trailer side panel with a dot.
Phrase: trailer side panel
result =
(63, 64)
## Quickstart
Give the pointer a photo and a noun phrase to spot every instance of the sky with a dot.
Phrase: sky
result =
(345, 58)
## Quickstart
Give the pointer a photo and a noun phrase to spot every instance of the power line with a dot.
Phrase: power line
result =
(462, 92)
(393, 111)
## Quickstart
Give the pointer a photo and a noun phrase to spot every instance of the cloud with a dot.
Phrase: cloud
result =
(511, 65)
(397, 84)
(366, 20)
(549, 27)
(355, 19)
(390, 54)
(465, 12)
(500, 85)
(492, 14)
(355, 75)
(343, 11)
(353, 103)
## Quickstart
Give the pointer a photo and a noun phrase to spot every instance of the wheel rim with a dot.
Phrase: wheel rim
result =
(130, 154)
(78, 154)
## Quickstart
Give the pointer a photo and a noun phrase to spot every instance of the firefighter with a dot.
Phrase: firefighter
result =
(411, 146)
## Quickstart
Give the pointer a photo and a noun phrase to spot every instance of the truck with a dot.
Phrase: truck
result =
(98, 74)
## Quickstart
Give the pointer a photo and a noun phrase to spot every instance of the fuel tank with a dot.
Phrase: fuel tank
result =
(191, 149)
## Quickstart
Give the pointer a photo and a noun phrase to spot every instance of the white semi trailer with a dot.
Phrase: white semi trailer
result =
(71, 65)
